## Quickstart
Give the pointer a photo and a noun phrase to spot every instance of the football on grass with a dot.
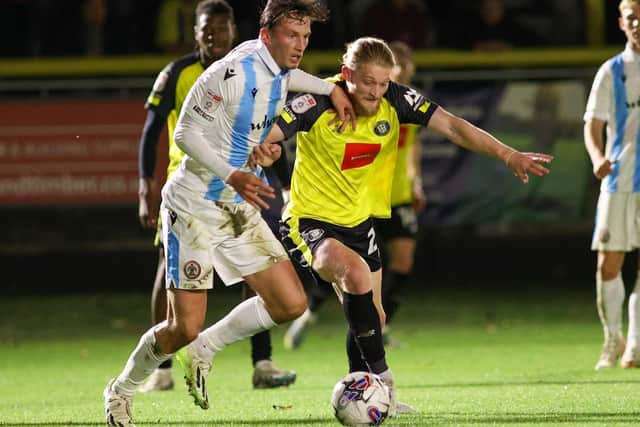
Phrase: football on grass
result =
(360, 399)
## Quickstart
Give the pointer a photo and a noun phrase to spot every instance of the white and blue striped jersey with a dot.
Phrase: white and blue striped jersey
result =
(615, 98)
(229, 110)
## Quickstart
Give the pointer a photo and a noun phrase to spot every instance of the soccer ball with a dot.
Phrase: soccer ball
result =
(360, 399)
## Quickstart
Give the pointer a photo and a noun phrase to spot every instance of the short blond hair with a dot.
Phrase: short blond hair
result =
(626, 3)
(366, 50)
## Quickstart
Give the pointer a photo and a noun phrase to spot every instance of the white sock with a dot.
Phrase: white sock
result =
(610, 298)
(245, 320)
(634, 315)
(143, 361)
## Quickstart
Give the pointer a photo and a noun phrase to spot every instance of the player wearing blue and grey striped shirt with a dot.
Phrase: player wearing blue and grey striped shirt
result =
(614, 104)
(210, 211)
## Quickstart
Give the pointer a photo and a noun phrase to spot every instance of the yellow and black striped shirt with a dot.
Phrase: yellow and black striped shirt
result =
(345, 178)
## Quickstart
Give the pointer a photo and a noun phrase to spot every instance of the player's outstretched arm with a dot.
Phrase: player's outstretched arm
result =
(466, 135)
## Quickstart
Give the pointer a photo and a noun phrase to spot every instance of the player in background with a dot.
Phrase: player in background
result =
(214, 36)
(210, 205)
(613, 104)
(343, 180)
(398, 233)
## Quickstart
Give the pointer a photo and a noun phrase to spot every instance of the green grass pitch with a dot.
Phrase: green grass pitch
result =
(517, 357)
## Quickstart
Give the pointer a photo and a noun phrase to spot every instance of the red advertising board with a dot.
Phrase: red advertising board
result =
(79, 152)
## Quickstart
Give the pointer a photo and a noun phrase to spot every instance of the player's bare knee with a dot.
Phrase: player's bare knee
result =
(292, 310)
(185, 333)
(358, 279)
(608, 272)
(403, 266)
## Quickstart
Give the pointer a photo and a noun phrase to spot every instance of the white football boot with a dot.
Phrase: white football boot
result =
(611, 351)
(395, 408)
(117, 408)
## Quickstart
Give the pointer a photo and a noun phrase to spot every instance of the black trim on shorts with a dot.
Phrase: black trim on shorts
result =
(361, 238)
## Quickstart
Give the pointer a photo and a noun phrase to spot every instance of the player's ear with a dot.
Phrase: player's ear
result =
(346, 73)
(265, 36)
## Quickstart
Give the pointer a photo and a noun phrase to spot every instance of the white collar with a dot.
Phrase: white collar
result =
(266, 57)
(630, 55)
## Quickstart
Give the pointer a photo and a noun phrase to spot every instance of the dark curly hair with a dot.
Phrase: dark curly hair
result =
(214, 7)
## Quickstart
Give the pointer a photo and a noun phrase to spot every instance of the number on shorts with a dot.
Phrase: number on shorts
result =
(373, 247)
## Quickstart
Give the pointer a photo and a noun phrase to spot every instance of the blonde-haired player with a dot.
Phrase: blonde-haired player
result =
(343, 180)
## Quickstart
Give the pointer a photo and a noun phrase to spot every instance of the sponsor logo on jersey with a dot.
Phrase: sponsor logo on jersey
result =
(161, 81)
(229, 72)
(303, 103)
(382, 128)
(192, 269)
(202, 114)
(266, 123)
(358, 154)
(633, 104)
(211, 101)
(415, 100)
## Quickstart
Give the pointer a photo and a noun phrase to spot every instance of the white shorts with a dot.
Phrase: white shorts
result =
(617, 222)
(200, 235)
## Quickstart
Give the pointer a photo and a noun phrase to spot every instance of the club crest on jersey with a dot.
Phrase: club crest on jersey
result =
(313, 235)
(211, 102)
(382, 128)
(192, 269)
(303, 103)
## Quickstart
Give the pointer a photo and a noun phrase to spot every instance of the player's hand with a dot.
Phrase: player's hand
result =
(148, 203)
(343, 106)
(251, 188)
(264, 155)
(603, 168)
(521, 164)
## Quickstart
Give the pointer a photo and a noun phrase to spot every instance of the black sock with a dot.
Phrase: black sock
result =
(261, 346)
(356, 362)
(365, 325)
(392, 284)
(166, 364)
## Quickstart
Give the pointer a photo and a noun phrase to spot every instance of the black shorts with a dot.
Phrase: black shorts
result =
(302, 236)
(403, 223)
